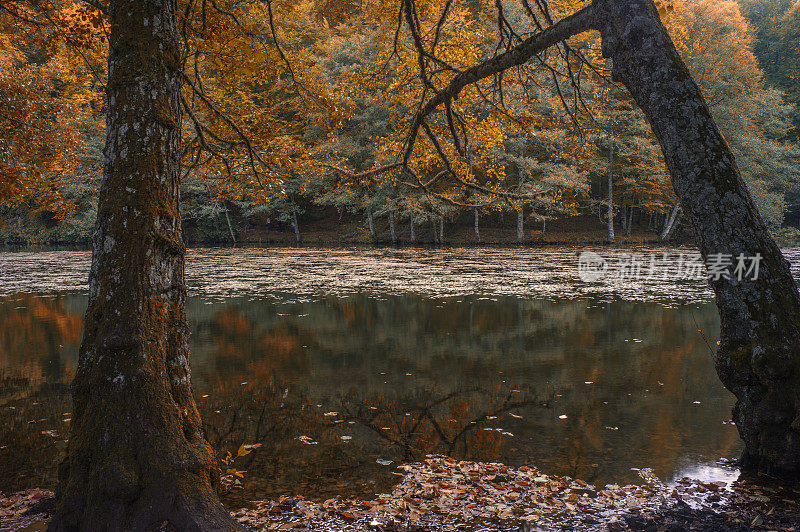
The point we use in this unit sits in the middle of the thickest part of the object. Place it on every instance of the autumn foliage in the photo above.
(289, 104)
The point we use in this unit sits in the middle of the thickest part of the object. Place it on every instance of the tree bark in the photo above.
(441, 230)
(477, 231)
(137, 457)
(758, 358)
(411, 221)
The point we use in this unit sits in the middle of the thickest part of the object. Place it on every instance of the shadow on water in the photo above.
(338, 367)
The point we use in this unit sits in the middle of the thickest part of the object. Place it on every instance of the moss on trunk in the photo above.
(137, 457)
(759, 355)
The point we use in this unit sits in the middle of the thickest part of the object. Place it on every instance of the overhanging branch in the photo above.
(572, 25)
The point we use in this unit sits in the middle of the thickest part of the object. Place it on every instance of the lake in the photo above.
(343, 363)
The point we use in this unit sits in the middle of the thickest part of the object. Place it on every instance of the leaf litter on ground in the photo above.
(444, 494)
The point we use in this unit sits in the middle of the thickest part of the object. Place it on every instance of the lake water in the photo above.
(343, 363)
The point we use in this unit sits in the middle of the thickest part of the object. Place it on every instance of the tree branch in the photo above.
(572, 25)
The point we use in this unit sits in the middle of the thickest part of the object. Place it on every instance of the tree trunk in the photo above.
(520, 212)
(371, 224)
(228, 220)
(441, 230)
(295, 227)
(758, 358)
(391, 228)
(669, 224)
(477, 231)
(630, 221)
(137, 457)
(624, 218)
(411, 221)
(610, 194)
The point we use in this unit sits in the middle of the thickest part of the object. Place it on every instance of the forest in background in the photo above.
(288, 120)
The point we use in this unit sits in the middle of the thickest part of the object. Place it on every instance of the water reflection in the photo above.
(338, 388)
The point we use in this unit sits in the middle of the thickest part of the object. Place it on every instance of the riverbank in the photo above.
(443, 494)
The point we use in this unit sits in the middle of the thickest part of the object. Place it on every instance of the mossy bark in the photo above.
(137, 458)
(758, 358)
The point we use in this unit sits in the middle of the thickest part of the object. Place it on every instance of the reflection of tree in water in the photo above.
(353, 450)
(39, 338)
(461, 424)
(350, 354)
(33, 431)
(35, 333)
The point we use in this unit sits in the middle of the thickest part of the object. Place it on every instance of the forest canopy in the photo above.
(293, 105)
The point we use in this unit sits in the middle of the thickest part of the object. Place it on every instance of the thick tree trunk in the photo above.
(758, 358)
(137, 457)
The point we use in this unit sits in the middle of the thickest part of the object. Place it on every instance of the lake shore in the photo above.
(444, 494)
(495, 230)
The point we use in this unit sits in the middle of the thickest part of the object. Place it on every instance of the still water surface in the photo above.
(342, 363)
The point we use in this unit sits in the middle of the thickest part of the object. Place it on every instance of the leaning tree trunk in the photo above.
(669, 224)
(137, 458)
(228, 220)
(758, 358)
